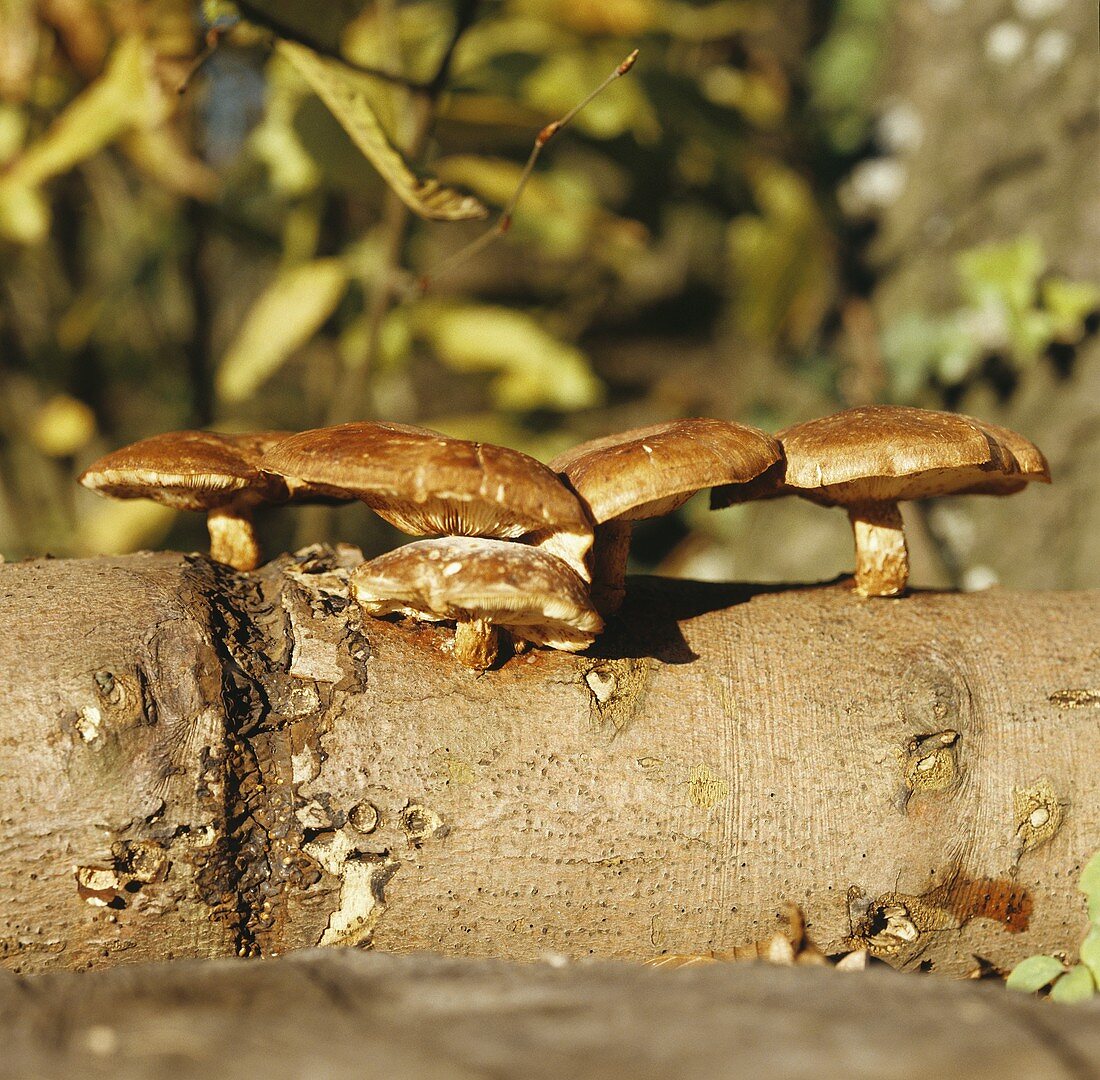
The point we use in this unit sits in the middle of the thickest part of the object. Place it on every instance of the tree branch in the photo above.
(206, 763)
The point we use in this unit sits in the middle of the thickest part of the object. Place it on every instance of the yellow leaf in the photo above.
(115, 527)
(288, 313)
(781, 259)
(342, 90)
(159, 152)
(274, 141)
(13, 129)
(118, 100)
(62, 426)
(535, 370)
(24, 214)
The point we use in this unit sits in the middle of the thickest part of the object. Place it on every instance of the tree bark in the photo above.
(1004, 147)
(200, 762)
(339, 1014)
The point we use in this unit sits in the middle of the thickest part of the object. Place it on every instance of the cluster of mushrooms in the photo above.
(539, 552)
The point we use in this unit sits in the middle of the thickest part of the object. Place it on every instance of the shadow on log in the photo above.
(202, 763)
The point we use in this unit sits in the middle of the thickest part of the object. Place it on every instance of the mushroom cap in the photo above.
(427, 483)
(887, 453)
(651, 471)
(527, 591)
(190, 470)
(1031, 463)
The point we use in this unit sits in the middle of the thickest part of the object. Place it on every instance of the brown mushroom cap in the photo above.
(885, 453)
(529, 592)
(653, 470)
(427, 483)
(190, 470)
(1031, 464)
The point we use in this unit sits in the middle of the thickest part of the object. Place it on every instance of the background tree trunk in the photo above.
(1007, 147)
(203, 763)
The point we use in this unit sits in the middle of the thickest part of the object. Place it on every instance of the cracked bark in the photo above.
(205, 763)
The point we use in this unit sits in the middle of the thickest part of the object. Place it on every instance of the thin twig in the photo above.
(256, 14)
(216, 34)
(214, 38)
(504, 222)
(347, 401)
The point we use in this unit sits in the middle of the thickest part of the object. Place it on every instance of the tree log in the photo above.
(340, 1014)
(200, 763)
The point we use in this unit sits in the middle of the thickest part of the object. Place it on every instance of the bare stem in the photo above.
(882, 558)
(504, 222)
(233, 539)
(476, 644)
(609, 554)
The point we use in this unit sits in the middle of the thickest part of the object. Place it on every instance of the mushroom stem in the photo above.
(233, 538)
(882, 559)
(476, 643)
(609, 554)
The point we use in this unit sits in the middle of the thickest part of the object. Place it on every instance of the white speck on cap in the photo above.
(1005, 42)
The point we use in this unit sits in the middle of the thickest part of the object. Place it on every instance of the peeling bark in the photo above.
(201, 762)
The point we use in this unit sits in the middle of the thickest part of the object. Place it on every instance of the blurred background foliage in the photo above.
(694, 243)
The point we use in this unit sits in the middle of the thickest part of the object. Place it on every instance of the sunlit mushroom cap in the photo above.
(651, 471)
(885, 453)
(190, 470)
(430, 484)
(527, 591)
(1031, 463)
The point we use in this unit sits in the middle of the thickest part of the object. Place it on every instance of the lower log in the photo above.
(344, 1015)
(201, 763)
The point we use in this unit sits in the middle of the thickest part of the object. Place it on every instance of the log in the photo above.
(342, 1014)
(202, 763)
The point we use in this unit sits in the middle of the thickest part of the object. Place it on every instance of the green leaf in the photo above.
(1089, 884)
(535, 369)
(1004, 273)
(1068, 304)
(1030, 333)
(344, 92)
(288, 313)
(1034, 973)
(1090, 952)
(1075, 986)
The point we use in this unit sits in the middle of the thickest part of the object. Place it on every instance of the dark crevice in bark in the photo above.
(245, 852)
(261, 858)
